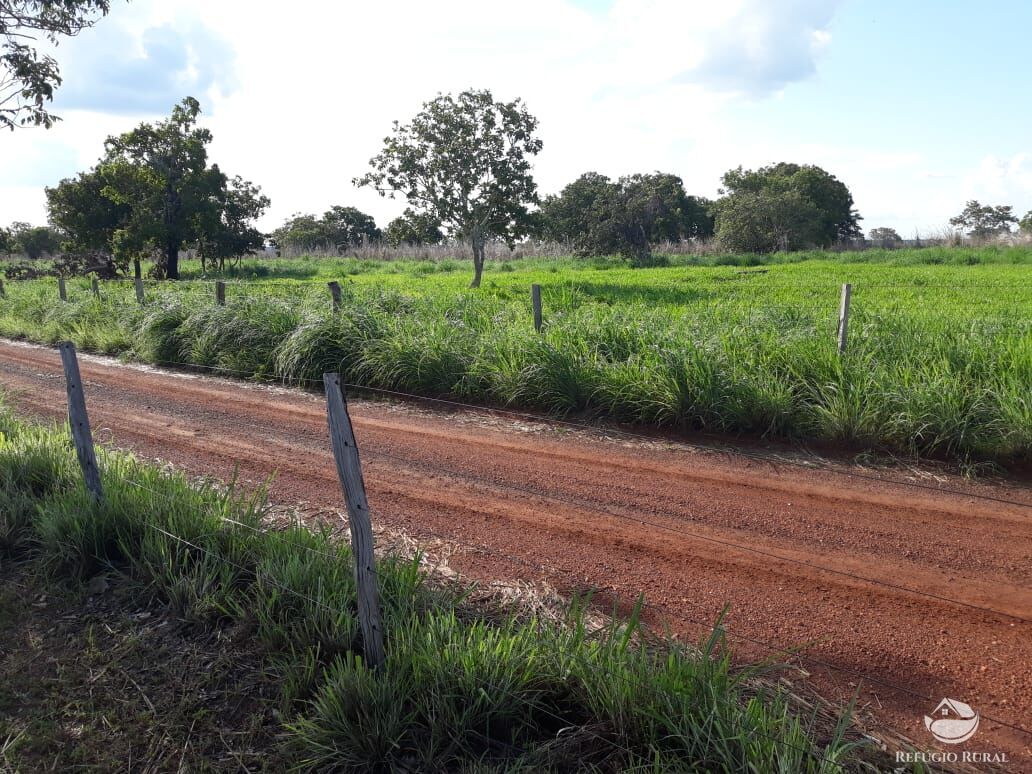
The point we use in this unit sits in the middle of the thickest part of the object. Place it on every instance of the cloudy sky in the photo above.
(916, 106)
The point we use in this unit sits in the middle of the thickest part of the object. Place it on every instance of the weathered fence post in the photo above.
(3, 293)
(535, 297)
(138, 281)
(220, 293)
(79, 420)
(843, 317)
(95, 286)
(349, 470)
(62, 292)
(335, 293)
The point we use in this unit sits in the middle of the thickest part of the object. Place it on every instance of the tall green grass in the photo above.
(939, 359)
(463, 689)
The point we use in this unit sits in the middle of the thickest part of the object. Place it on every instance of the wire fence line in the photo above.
(570, 578)
(335, 612)
(609, 513)
(741, 276)
(731, 453)
(799, 652)
(586, 505)
(669, 611)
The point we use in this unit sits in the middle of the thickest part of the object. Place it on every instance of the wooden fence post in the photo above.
(220, 293)
(335, 293)
(95, 286)
(843, 317)
(349, 470)
(79, 420)
(535, 297)
(138, 281)
(62, 292)
(3, 293)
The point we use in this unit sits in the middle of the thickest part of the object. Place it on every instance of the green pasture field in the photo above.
(939, 358)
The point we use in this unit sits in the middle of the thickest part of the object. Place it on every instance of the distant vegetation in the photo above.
(938, 361)
(464, 688)
(463, 165)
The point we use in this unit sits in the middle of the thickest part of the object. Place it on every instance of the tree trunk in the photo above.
(172, 260)
(137, 271)
(478, 258)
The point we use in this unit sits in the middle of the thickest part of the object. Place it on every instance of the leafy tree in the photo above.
(464, 162)
(666, 213)
(6, 242)
(224, 231)
(579, 209)
(28, 80)
(154, 193)
(597, 216)
(338, 229)
(80, 208)
(35, 241)
(350, 227)
(1025, 224)
(984, 220)
(412, 228)
(766, 220)
(301, 232)
(837, 219)
(884, 235)
(161, 172)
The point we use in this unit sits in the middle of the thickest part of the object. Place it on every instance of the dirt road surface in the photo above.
(927, 593)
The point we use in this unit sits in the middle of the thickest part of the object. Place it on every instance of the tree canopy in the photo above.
(885, 235)
(153, 193)
(413, 228)
(338, 229)
(826, 213)
(464, 162)
(985, 220)
(1025, 224)
(33, 241)
(766, 220)
(28, 79)
(597, 216)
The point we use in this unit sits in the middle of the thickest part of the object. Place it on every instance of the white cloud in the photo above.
(299, 100)
(756, 47)
(1002, 180)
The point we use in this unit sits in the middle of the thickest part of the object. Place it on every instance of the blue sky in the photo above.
(917, 105)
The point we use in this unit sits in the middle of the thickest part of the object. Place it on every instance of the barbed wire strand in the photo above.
(814, 752)
(569, 575)
(317, 385)
(585, 505)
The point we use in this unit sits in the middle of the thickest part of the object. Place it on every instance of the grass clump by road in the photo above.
(463, 688)
(939, 358)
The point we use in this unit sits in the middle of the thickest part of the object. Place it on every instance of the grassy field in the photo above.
(464, 687)
(939, 359)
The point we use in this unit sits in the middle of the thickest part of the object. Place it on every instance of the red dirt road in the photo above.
(803, 557)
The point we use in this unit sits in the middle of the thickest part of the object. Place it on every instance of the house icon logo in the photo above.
(952, 722)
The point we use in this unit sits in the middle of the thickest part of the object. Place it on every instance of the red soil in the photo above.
(812, 558)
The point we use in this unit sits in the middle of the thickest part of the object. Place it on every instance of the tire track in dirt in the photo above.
(956, 546)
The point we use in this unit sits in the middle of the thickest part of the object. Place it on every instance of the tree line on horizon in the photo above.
(463, 167)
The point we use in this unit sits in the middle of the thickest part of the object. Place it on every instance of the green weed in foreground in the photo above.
(939, 359)
(460, 691)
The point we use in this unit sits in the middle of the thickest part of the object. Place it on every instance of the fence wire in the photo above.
(571, 579)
